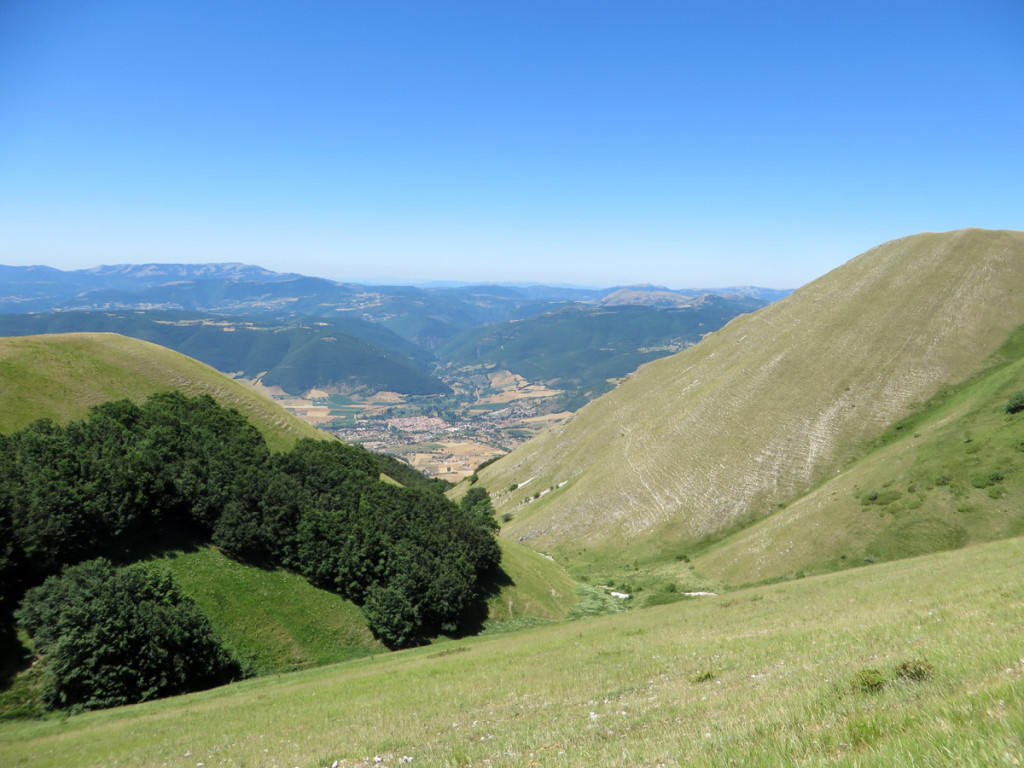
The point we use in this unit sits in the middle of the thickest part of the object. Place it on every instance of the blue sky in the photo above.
(687, 144)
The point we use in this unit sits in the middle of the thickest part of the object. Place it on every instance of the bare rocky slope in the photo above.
(763, 410)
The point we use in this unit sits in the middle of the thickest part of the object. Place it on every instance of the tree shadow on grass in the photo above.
(490, 585)
(14, 657)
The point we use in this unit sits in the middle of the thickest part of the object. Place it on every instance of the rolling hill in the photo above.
(294, 355)
(61, 376)
(759, 413)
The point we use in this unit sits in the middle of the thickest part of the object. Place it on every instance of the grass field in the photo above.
(918, 662)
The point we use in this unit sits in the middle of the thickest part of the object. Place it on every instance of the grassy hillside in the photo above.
(61, 376)
(272, 621)
(275, 621)
(535, 588)
(950, 474)
(915, 662)
(770, 406)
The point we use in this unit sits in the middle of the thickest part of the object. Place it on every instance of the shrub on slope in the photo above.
(114, 636)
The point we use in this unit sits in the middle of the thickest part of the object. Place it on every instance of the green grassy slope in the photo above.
(536, 588)
(915, 662)
(769, 406)
(949, 475)
(61, 376)
(275, 621)
(272, 621)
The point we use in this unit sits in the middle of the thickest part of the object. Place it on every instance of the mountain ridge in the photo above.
(694, 443)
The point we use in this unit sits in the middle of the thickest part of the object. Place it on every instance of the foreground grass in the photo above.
(802, 672)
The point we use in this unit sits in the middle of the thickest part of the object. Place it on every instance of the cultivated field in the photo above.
(918, 662)
(477, 425)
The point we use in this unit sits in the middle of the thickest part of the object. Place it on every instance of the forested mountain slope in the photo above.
(772, 404)
(582, 347)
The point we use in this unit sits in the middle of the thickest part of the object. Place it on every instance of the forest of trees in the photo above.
(132, 480)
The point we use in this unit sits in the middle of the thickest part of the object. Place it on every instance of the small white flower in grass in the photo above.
(594, 715)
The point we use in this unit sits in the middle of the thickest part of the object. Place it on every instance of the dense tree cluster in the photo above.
(120, 482)
(114, 636)
(134, 478)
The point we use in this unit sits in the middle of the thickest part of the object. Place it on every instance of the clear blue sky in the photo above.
(688, 144)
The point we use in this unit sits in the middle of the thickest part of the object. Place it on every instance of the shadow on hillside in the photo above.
(167, 544)
(14, 657)
(490, 585)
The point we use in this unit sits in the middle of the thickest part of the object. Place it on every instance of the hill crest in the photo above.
(61, 376)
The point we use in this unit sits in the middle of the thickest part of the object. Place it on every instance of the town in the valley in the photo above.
(445, 436)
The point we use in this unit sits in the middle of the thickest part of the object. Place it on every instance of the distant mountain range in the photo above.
(304, 332)
(240, 288)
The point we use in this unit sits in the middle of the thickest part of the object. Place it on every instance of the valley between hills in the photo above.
(446, 378)
(816, 513)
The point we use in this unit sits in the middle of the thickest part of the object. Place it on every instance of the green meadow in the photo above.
(271, 620)
(918, 662)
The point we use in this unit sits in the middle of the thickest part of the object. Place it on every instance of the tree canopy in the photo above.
(113, 636)
(134, 479)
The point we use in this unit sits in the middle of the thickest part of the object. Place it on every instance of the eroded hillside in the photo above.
(762, 410)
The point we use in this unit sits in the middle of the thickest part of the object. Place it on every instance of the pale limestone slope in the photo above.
(765, 408)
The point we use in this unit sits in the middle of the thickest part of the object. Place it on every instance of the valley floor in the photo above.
(442, 436)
